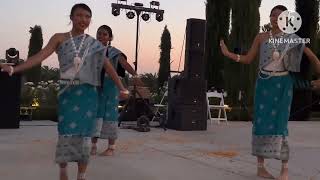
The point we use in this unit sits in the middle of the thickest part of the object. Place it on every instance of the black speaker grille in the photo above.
(10, 100)
(194, 65)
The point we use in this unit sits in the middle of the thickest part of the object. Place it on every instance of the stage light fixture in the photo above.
(12, 55)
(145, 16)
(155, 3)
(159, 17)
(12, 52)
(116, 11)
(130, 14)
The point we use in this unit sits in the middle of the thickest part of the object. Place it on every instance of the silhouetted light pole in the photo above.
(138, 9)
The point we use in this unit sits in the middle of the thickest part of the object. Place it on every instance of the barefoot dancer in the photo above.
(81, 59)
(273, 95)
(107, 124)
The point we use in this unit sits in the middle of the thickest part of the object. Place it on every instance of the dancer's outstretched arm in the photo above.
(128, 67)
(35, 59)
(114, 76)
(244, 59)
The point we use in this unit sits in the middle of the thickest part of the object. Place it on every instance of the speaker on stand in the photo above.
(187, 106)
(10, 90)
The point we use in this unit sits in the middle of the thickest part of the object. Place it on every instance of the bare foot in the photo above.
(81, 176)
(93, 150)
(108, 152)
(63, 176)
(262, 172)
(283, 175)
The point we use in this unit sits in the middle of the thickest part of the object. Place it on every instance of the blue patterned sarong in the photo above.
(78, 110)
(107, 119)
(108, 111)
(272, 110)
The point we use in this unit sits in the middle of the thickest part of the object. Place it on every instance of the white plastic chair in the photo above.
(221, 107)
(160, 105)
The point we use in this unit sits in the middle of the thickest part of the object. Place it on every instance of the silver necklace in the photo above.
(276, 53)
(77, 59)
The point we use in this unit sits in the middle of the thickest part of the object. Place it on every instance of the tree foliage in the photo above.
(35, 45)
(165, 47)
(217, 27)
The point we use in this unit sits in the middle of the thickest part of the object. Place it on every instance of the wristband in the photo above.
(238, 58)
(11, 71)
(125, 92)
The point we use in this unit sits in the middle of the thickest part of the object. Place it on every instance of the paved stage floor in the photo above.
(220, 153)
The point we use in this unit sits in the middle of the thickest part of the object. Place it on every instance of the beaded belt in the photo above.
(274, 73)
(69, 82)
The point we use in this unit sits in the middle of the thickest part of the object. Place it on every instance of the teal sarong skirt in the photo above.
(272, 107)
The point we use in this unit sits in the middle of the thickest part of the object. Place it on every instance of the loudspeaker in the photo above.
(10, 90)
(187, 91)
(187, 105)
(194, 66)
(187, 118)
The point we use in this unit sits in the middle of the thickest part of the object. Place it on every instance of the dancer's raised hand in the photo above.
(315, 84)
(224, 48)
(6, 68)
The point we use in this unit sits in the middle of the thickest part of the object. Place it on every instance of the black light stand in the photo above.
(138, 9)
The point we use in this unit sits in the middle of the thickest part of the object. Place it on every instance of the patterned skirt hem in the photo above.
(270, 146)
(108, 130)
(73, 149)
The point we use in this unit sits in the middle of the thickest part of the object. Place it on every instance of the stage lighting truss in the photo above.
(138, 9)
